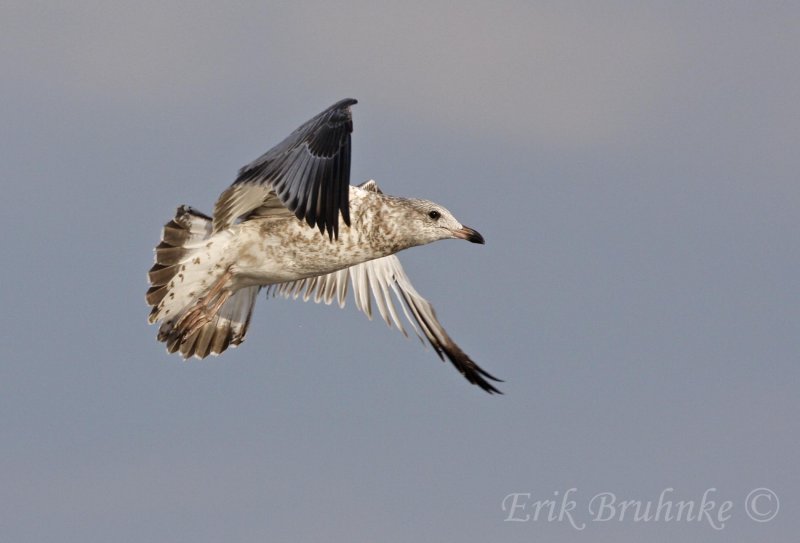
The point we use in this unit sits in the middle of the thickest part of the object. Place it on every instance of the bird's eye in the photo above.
(434, 215)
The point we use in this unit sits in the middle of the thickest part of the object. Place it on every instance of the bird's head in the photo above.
(433, 222)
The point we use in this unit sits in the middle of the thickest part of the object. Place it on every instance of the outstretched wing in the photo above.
(383, 277)
(309, 172)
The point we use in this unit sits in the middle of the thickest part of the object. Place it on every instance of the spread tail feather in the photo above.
(188, 289)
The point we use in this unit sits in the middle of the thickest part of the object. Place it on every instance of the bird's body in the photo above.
(276, 249)
(208, 271)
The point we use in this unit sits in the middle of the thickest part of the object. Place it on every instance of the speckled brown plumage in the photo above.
(208, 271)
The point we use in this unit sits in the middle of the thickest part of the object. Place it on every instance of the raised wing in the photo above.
(383, 277)
(308, 172)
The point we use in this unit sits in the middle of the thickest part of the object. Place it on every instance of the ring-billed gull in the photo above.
(278, 227)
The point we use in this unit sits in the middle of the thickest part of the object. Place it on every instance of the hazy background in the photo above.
(633, 169)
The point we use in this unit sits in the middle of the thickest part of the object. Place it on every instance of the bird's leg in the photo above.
(205, 308)
(202, 314)
(215, 289)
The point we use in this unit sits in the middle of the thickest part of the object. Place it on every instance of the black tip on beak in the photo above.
(470, 235)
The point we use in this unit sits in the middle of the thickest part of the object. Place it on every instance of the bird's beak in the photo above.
(469, 234)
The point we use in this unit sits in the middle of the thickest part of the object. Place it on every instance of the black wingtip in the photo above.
(485, 385)
(470, 370)
(346, 102)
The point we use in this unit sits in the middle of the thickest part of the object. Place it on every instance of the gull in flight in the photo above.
(292, 224)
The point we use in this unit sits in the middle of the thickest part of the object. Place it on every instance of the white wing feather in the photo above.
(379, 279)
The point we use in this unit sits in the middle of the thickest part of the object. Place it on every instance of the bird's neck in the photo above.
(381, 222)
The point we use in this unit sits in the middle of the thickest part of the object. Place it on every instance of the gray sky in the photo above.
(634, 172)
